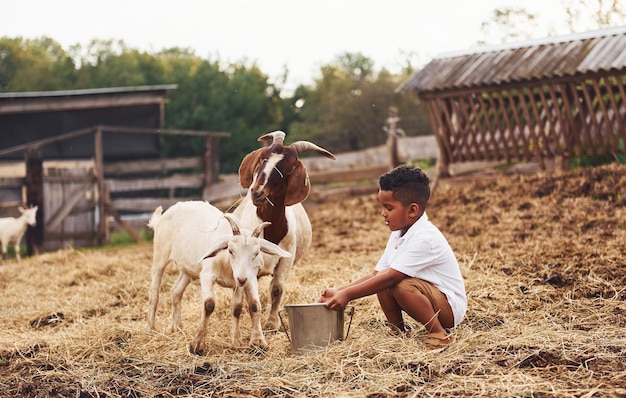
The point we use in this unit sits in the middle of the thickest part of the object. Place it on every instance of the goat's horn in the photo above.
(275, 137)
(259, 228)
(233, 223)
(302, 146)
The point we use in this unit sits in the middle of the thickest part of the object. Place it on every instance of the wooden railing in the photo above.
(132, 190)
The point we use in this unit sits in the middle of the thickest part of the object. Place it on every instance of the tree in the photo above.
(34, 65)
(511, 23)
(514, 23)
(237, 99)
(603, 12)
(107, 63)
(347, 107)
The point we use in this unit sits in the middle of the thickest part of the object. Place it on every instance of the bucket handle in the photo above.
(280, 316)
(350, 311)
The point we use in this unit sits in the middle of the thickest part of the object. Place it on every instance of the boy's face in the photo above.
(397, 216)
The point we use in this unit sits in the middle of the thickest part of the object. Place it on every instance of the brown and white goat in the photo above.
(277, 183)
(195, 236)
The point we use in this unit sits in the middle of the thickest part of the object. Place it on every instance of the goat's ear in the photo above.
(299, 185)
(246, 169)
(272, 248)
(216, 248)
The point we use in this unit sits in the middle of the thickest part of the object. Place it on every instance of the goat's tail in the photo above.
(156, 216)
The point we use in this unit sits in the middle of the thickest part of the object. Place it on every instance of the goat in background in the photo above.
(12, 229)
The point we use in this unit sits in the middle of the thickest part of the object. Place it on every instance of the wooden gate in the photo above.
(70, 206)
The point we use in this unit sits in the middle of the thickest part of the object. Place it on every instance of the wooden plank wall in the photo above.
(143, 185)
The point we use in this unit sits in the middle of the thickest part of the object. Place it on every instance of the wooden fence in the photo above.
(77, 199)
(80, 211)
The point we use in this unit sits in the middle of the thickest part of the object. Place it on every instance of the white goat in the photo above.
(195, 235)
(12, 229)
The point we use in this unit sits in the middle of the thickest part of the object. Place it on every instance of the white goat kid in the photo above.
(182, 236)
(245, 255)
(12, 229)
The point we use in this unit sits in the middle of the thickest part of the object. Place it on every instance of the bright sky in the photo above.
(301, 35)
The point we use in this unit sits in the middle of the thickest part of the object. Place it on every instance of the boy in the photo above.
(418, 272)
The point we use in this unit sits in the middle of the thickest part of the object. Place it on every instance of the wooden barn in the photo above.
(85, 156)
(28, 117)
(544, 100)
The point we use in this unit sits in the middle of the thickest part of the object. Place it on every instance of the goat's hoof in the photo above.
(259, 342)
(258, 350)
(196, 348)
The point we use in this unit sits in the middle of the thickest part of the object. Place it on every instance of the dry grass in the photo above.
(543, 259)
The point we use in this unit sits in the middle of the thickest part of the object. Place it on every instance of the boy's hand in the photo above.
(333, 298)
(327, 294)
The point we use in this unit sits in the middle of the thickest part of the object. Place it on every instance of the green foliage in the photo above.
(616, 155)
(123, 239)
(597, 160)
(34, 65)
(238, 100)
(424, 164)
(348, 106)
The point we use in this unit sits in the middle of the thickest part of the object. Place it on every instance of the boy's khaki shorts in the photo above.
(437, 299)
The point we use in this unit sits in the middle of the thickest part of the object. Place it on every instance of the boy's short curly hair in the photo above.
(409, 184)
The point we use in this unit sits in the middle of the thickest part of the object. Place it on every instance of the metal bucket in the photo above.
(314, 326)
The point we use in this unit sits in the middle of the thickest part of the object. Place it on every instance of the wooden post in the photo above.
(391, 127)
(211, 163)
(34, 197)
(438, 124)
(102, 227)
(443, 161)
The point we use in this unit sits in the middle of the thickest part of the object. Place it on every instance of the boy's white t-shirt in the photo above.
(424, 253)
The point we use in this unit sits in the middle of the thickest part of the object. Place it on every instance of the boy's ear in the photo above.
(414, 210)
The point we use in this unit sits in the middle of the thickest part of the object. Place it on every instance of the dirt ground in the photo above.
(543, 257)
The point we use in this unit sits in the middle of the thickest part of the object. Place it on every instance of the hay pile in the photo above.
(543, 259)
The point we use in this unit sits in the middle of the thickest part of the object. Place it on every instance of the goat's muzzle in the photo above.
(258, 197)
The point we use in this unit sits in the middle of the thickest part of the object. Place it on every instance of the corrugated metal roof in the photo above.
(89, 91)
(65, 100)
(553, 57)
